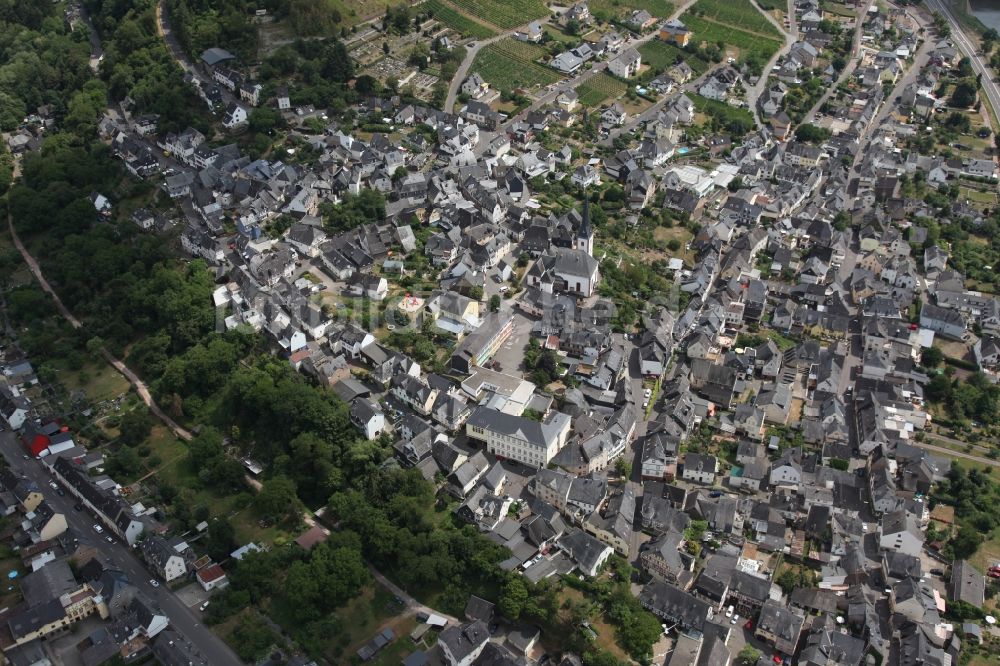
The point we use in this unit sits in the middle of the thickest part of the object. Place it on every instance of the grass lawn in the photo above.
(402, 648)
(679, 233)
(977, 196)
(951, 348)
(838, 9)
(598, 88)
(984, 660)
(662, 56)
(247, 525)
(11, 593)
(605, 632)
(559, 36)
(358, 11)
(964, 462)
(988, 553)
(98, 380)
(362, 618)
(176, 470)
(781, 341)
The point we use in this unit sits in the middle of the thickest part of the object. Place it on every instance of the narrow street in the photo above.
(852, 64)
(186, 620)
(178, 55)
(754, 93)
(96, 50)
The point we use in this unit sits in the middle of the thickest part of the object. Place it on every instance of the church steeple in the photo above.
(585, 235)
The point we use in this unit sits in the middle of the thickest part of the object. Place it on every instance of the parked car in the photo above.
(78, 507)
(203, 606)
(154, 582)
(98, 528)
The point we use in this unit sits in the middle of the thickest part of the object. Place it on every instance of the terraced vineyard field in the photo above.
(662, 56)
(504, 13)
(737, 13)
(598, 88)
(448, 16)
(748, 43)
(509, 64)
(610, 8)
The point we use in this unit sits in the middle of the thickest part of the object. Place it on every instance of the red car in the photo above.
(776, 659)
(749, 625)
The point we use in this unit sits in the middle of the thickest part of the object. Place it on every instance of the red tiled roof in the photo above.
(211, 573)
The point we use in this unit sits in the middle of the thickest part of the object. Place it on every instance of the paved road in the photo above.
(791, 36)
(177, 53)
(956, 442)
(140, 386)
(956, 454)
(412, 605)
(557, 88)
(597, 68)
(463, 70)
(968, 46)
(651, 112)
(848, 69)
(888, 104)
(182, 618)
(96, 50)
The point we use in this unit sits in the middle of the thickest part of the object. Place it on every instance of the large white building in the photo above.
(517, 438)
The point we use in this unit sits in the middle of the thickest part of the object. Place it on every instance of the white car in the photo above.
(154, 582)
(645, 405)
(736, 618)
(98, 528)
(204, 606)
(648, 392)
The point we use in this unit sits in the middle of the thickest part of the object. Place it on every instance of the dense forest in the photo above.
(43, 63)
(138, 67)
(230, 24)
(974, 494)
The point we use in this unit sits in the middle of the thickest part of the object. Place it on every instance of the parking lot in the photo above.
(510, 355)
